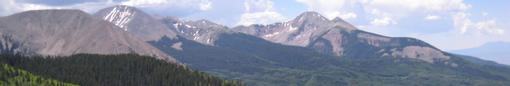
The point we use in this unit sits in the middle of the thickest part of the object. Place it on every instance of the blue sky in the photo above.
(447, 24)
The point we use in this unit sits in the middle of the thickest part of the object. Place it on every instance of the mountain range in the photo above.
(337, 37)
(309, 50)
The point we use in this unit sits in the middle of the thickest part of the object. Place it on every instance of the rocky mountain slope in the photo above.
(337, 37)
(135, 21)
(67, 32)
(202, 31)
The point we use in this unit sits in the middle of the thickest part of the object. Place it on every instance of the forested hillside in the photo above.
(261, 63)
(10, 76)
(113, 70)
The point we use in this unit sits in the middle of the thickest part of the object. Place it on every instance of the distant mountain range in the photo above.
(494, 51)
(309, 50)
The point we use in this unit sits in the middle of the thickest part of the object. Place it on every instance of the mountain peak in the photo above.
(338, 19)
(68, 32)
(343, 24)
(311, 15)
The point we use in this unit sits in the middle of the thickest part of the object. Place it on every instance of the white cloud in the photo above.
(258, 5)
(384, 12)
(11, 6)
(387, 12)
(461, 22)
(397, 9)
(324, 5)
(432, 17)
(385, 21)
(467, 33)
(485, 14)
(266, 17)
(202, 5)
(350, 15)
(260, 12)
(206, 5)
(483, 27)
(489, 26)
(413, 5)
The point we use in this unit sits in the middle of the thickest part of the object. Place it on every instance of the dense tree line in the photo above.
(10, 76)
(114, 70)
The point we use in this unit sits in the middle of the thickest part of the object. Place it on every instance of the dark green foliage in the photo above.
(10, 76)
(271, 64)
(115, 70)
(209, 57)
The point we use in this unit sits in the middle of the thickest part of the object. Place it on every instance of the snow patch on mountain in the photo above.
(292, 28)
(272, 34)
(176, 25)
(120, 16)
